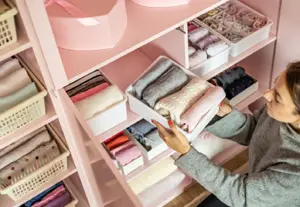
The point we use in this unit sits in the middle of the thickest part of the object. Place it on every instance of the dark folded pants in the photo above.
(212, 201)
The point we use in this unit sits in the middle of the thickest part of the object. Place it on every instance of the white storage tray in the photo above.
(138, 107)
(133, 165)
(247, 42)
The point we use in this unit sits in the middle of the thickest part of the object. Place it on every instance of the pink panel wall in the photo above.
(288, 40)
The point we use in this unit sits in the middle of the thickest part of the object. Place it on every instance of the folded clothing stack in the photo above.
(232, 21)
(233, 81)
(146, 134)
(55, 196)
(168, 90)
(92, 94)
(202, 44)
(26, 155)
(122, 149)
(16, 86)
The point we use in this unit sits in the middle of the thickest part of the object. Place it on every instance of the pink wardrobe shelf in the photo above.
(144, 25)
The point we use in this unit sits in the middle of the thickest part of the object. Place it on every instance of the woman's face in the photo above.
(280, 105)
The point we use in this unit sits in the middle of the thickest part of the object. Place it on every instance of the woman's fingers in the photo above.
(165, 134)
(174, 129)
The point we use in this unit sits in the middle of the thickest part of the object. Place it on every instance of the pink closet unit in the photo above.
(141, 34)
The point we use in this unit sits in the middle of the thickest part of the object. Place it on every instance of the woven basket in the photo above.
(8, 34)
(42, 175)
(29, 110)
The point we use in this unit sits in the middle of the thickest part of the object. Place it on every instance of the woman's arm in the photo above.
(235, 126)
(273, 186)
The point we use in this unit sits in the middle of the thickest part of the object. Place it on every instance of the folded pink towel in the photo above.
(122, 147)
(211, 98)
(90, 92)
(192, 27)
(50, 196)
(126, 156)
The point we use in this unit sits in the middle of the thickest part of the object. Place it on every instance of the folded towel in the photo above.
(152, 175)
(211, 98)
(153, 139)
(29, 163)
(91, 83)
(89, 92)
(143, 127)
(157, 70)
(216, 48)
(122, 147)
(18, 97)
(16, 144)
(42, 194)
(208, 40)
(14, 82)
(24, 149)
(198, 57)
(192, 27)
(51, 196)
(191, 50)
(127, 155)
(60, 201)
(232, 10)
(113, 137)
(175, 105)
(230, 76)
(197, 34)
(173, 80)
(117, 142)
(99, 102)
(8, 66)
(83, 80)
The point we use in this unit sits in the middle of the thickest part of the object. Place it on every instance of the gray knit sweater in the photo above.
(274, 163)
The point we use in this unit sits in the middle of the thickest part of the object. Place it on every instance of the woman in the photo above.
(272, 135)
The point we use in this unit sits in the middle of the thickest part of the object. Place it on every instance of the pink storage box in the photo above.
(87, 25)
(161, 3)
(138, 107)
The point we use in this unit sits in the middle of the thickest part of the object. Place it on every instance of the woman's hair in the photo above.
(293, 83)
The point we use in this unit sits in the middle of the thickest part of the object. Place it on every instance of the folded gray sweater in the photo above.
(274, 163)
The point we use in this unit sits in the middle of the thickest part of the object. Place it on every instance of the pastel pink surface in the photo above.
(110, 15)
(126, 156)
(90, 92)
(119, 149)
(50, 196)
(210, 99)
(161, 3)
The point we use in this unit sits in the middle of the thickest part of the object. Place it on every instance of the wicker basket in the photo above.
(29, 110)
(42, 175)
(8, 34)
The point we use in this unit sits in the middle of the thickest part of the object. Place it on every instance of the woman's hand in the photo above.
(224, 109)
(173, 138)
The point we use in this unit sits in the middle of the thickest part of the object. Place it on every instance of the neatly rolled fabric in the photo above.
(225, 5)
(24, 149)
(152, 175)
(232, 37)
(211, 98)
(198, 57)
(229, 21)
(29, 163)
(143, 127)
(236, 28)
(14, 82)
(249, 19)
(192, 27)
(232, 10)
(176, 104)
(18, 97)
(191, 50)
(208, 40)
(117, 142)
(198, 34)
(153, 139)
(213, 12)
(156, 71)
(83, 80)
(122, 147)
(16, 144)
(127, 155)
(173, 80)
(216, 48)
(89, 92)
(98, 102)
(246, 31)
(8, 66)
(241, 13)
(259, 23)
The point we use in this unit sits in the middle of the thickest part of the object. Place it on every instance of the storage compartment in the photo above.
(96, 98)
(237, 89)
(145, 111)
(237, 24)
(92, 24)
(212, 62)
(29, 110)
(33, 180)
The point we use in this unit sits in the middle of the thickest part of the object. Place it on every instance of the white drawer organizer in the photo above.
(246, 42)
(42, 175)
(149, 114)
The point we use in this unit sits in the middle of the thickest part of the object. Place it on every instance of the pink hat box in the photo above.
(161, 3)
(88, 24)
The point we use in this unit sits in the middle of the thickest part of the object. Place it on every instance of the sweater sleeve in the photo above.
(235, 126)
(258, 189)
